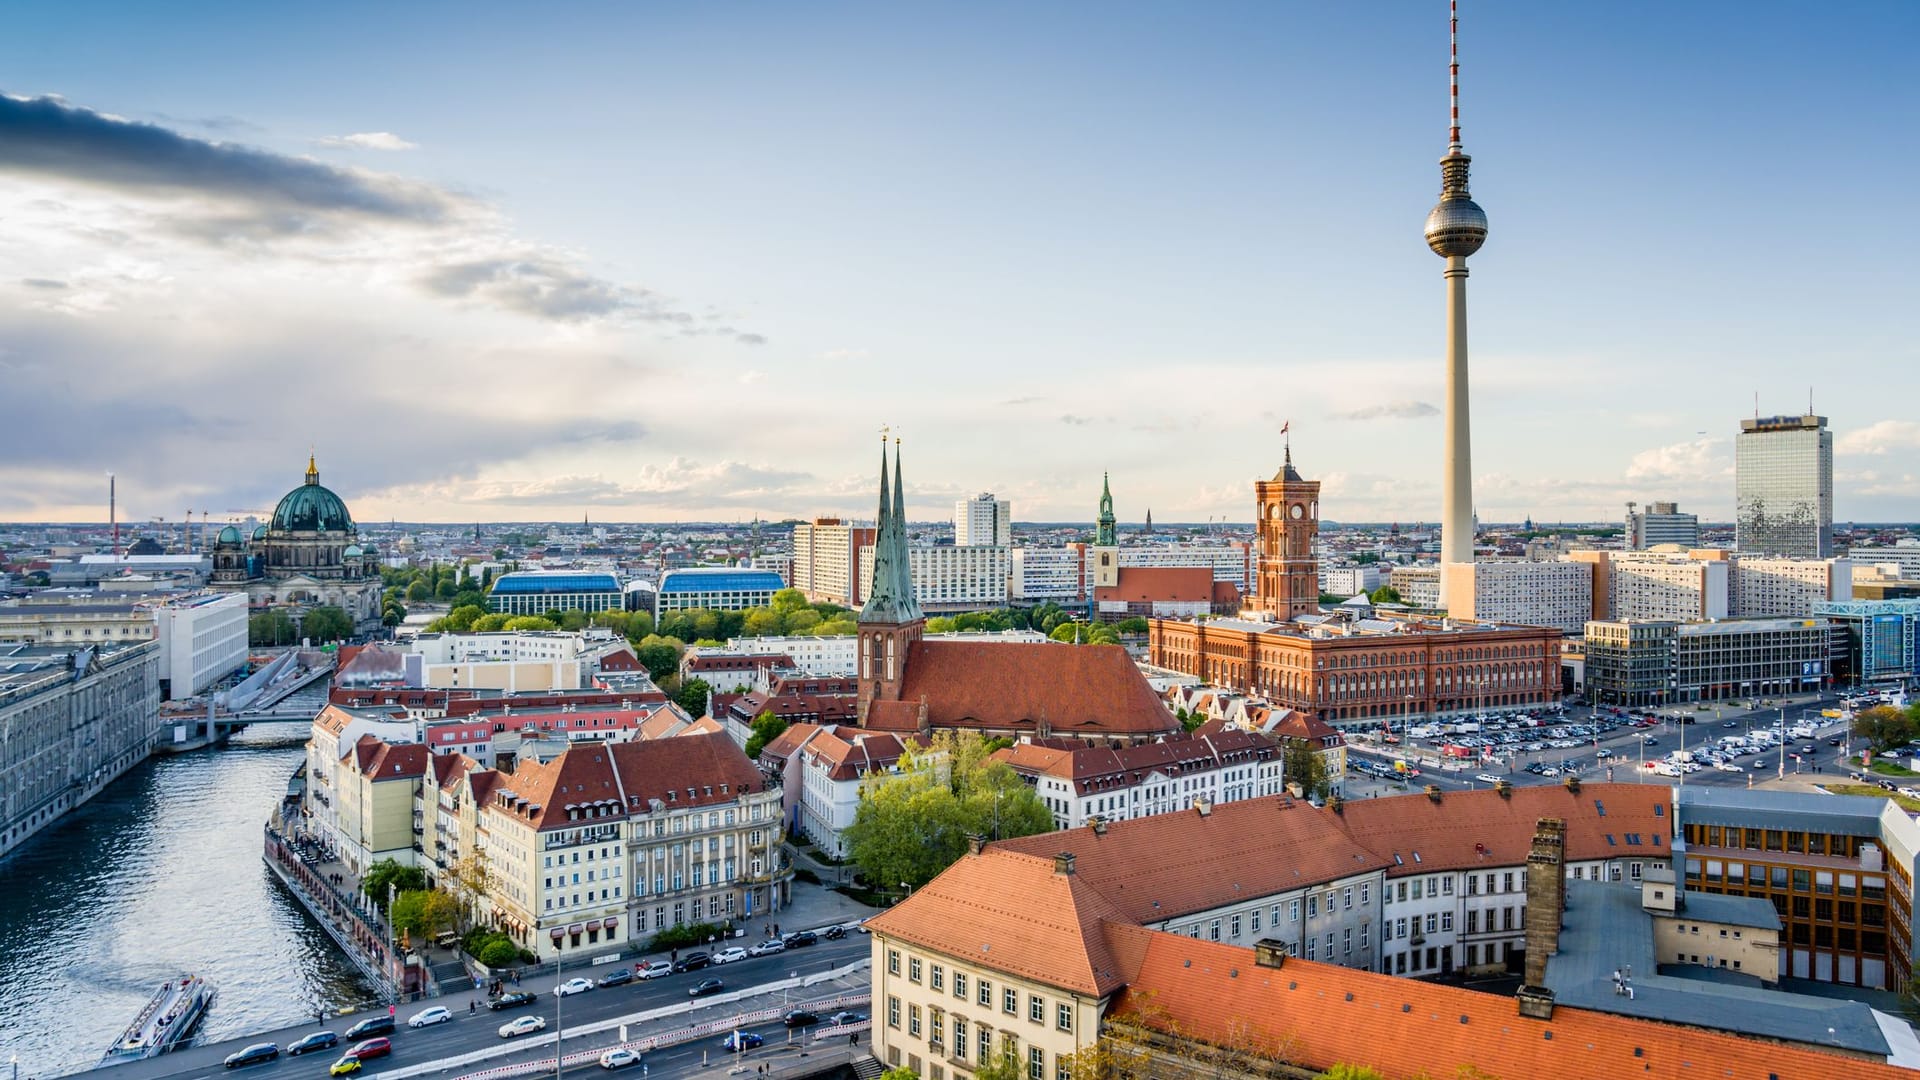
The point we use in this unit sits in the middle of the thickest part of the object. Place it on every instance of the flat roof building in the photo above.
(536, 592)
(716, 588)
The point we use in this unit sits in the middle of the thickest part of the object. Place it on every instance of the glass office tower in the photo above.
(1783, 481)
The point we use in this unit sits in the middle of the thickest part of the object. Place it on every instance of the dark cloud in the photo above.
(42, 283)
(544, 288)
(48, 137)
(750, 339)
(1394, 410)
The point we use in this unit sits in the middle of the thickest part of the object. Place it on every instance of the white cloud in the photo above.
(748, 378)
(1882, 437)
(1693, 460)
(367, 140)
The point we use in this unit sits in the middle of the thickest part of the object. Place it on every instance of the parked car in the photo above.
(617, 977)
(346, 1066)
(800, 939)
(619, 1058)
(512, 1001)
(573, 986)
(523, 1025)
(742, 1040)
(800, 1018)
(373, 1025)
(654, 969)
(705, 987)
(768, 948)
(1489, 778)
(319, 1040)
(371, 1048)
(729, 955)
(834, 933)
(693, 961)
(247, 1055)
(438, 1014)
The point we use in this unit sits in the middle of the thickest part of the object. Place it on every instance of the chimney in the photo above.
(1268, 953)
(1505, 788)
(1546, 900)
(1336, 804)
(1573, 785)
(1099, 825)
(975, 842)
(1433, 792)
(1202, 807)
(1063, 863)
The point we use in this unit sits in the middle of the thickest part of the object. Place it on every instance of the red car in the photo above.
(371, 1048)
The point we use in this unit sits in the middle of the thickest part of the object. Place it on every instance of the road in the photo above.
(1710, 726)
(479, 1030)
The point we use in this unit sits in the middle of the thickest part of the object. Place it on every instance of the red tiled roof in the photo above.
(1164, 866)
(393, 761)
(1318, 1015)
(1145, 584)
(1074, 689)
(1086, 766)
(784, 744)
(1015, 913)
(1451, 833)
(849, 753)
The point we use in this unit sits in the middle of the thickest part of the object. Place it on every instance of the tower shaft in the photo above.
(1456, 500)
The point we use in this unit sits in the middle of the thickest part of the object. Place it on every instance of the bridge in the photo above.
(291, 689)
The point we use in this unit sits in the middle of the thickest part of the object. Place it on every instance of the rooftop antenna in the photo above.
(1453, 74)
(113, 515)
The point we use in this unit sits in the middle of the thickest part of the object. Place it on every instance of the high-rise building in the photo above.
(1783, 480)
(826, 560)
(1661, 523)
(1556, 594)
(983, 521)
(1288, 509)
(1456, 228)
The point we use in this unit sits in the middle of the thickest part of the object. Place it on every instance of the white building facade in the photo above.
(952, 578)
(983, 521)
(1519, 592)
(203, 638)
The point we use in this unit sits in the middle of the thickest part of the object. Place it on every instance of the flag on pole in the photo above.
(1285, 426)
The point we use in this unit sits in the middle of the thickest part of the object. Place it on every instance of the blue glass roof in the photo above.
(555, 581)
(720, 580)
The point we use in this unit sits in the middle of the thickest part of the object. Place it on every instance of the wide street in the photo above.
(478, 1030)
(1627, 751)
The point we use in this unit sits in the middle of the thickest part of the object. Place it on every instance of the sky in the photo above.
(683, 261)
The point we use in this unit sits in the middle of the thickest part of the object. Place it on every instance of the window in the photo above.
(1346, 942)
(893, 961)
(1313, 907)
(960, 1037)
(1473, 885)
(1036, 1009)
(1310, 948)
(1256, 920)
(1036, 1063)
(986, 996)
(937, 978)
(1293, 911)
(960, 985)
(1366, 895)
(1446, 886)
(1009, 1001)
(1063, 1016)
(1506, 882)
(1363, 935)
(1234, 929)
(1346, 897)
(1446, 922)
(1213, 931)
(893, 1011)
(1433, 922)
(913, 969)
(913, 1020)
(1473, 921)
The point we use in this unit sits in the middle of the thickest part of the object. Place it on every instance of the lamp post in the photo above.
(559, 1026)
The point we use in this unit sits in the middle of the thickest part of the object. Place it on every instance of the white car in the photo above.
(573, 986)
(1488, 778)
(729, 955)
(525, 1025)
(768, 948)
(1727, 766)
(436, 1015)
(654, 969)
(619, 1058)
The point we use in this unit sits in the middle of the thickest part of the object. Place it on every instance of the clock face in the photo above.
(1296, 511)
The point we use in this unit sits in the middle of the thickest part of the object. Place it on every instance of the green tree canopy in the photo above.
(1300, 764)
(269, 628)
(692, 696)
(913, 824)
(766, 728)
(1385, 594)
(1885, 727)
(423, 913)
(659, 655)
(490, 622)
(326, 623)
(387, 873)
(530, 622)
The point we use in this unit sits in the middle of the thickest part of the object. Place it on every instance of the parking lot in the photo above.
(1730, 743)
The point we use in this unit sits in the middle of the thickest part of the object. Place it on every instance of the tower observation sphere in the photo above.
(1457, 226)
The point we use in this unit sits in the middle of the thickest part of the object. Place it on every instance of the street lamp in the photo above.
(559, 1026)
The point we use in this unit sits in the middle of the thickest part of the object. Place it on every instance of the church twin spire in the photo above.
(890, 599)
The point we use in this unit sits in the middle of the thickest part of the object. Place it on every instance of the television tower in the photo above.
(1455, 229)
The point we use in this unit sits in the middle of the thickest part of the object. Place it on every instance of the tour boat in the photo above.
(166, 1021)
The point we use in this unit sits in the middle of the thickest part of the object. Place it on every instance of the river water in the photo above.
(158, 876)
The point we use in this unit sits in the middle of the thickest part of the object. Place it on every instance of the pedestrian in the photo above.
(853, 1038)
(472, 1006)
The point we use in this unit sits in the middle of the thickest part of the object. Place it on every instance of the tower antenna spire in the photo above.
(1453, 72)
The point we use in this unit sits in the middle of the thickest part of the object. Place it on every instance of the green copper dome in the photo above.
(311, 508)
(228, 535)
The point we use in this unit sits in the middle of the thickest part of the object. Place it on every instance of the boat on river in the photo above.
(166, 1021)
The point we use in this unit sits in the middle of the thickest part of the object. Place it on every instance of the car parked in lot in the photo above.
(705, 987)
(438, 1014)
(512, 1000)
(247, 1055)
(693, 961)
(573, 986)
(617, 977)
(619, 1058)
(738, 1041)
(523, 1025)
(373, 1025)
(800, 1018)
(654, 969)
(768, 948)
(729, 955)
(319, 1040)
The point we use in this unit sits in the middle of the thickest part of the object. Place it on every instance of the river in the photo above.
(158, 876)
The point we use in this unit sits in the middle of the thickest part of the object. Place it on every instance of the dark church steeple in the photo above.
(891, 620)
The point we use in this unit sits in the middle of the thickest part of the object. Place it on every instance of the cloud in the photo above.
(842, 354)
(545, 288)
(748, 378)
(1879, 438)
(1031, 399)
(367, 140)
(1076, 421)
(47, 137)
(1393, 410)
(42, 283)
(1685, 461)
(750, 339)
(678, 482)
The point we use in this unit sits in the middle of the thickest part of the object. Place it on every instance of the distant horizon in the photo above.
(127, 529)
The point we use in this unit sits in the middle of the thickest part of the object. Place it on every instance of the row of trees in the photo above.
(912, 824)
(319, 624)
(1885, 727)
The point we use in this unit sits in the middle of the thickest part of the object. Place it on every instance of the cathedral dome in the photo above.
(353, 551)
(259, 532)
(311, 508)
(228, 535)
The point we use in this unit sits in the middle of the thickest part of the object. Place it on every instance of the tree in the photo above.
(766, 728)
(387, 874)
(692, 696)
(912, 824)
(788, 601)
(763, 622)
(419, 591)
(529, 622)
(1135, 624)
(470, 879)
(659, 655)
(1885, 727)
(462, 618)
(1385, 594)
(424, 913)
(1302, 765)
(1189, 721)
(326, 623)
(498, 953)
(940, 624)
(490, 622)
(270, 628)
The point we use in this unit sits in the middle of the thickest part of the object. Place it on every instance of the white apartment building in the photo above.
(1081, 783)
(203, 638)
(510, 660)
(813, 655)
(1042, 574)
(983, 521)
(1787, 587)
(1418, 586)
(1234, 562)
(826, 554)
(1905, 556)
(951, 578)
(1660, 523)
(1556, 594)
(1349, 580)
(1667, 584)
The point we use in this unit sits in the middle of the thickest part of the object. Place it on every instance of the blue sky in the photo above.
(660, 261)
